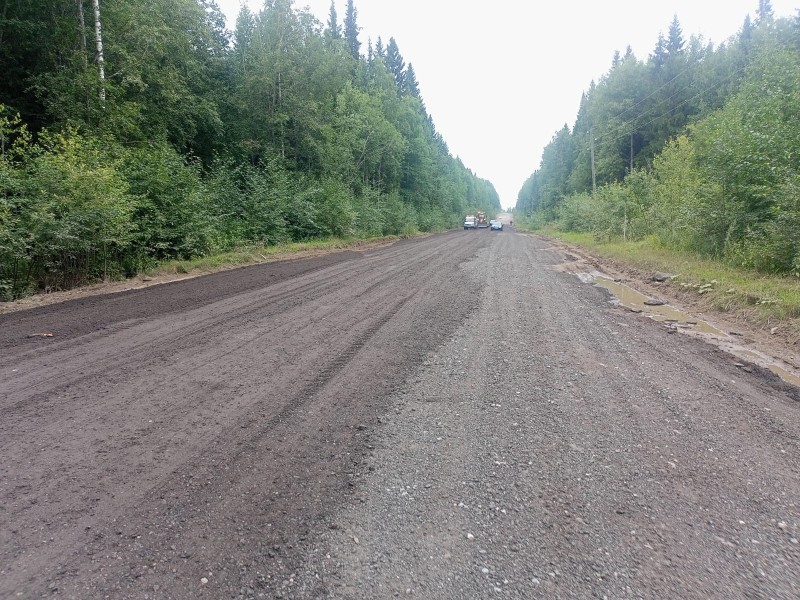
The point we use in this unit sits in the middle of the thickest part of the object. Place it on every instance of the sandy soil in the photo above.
(449, 417)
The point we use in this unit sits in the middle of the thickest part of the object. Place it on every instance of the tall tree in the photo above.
(351, 30)
(243, 38)
(659, 55)
(396, 64)
(100, 58)
(764, 13)
(410, 82)
(675, 37)
(746, 34)
(334, 31)
(629, 53)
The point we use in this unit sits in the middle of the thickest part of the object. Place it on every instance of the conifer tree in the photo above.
(380, 51)
(351, 30)
(659, 55)
(243, 36)
(675, 37)
(764, 13)
(333, 31)
(629, 53)
(410, 82)
(395, 63)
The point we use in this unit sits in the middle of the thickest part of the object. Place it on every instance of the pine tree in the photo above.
(243, 37)
(659, 55)
(746, 35)
(747, 29)
(675, 38)
(629, 53)
(410, 82)
(380, 51)
(333, 31)
(395, 63)
(616, 59)
(764, 13)
(351, 30)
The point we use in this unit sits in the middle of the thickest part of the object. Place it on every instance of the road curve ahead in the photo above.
(447, 417)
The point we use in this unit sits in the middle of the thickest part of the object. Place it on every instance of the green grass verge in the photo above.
(764, 300)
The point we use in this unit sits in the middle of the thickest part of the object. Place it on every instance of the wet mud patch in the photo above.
(678, 320)
(590, 270)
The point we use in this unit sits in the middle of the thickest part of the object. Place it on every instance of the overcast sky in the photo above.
(499, 77)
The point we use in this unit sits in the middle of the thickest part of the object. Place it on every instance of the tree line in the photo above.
(137, 131)
(696, 148)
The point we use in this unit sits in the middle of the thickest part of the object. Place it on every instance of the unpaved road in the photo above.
(444, 418)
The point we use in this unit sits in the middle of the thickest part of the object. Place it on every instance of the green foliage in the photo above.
(205, 144)
(337, 211)
(66, 214)
(773, 245)
(172, 215)
(713, 172)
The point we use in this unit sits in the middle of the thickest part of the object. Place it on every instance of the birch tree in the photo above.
(98, 34)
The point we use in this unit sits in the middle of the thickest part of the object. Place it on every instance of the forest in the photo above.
(138, 131)
(696, 148)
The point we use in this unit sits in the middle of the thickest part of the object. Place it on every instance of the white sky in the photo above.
(500, 77)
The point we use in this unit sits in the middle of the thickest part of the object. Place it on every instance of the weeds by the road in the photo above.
(768, 301)
(259, 254)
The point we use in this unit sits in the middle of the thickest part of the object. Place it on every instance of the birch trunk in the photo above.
(101, 65)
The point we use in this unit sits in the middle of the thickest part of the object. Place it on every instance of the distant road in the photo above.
(447, 417)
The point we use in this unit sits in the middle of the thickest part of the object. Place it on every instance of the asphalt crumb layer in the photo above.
(443, 418)
(558, 447)
(183, 452)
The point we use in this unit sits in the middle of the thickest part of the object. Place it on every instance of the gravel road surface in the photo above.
(449, 417)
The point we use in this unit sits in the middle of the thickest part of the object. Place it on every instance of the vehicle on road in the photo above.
(496, 225)
(481, 218)
(470, 222)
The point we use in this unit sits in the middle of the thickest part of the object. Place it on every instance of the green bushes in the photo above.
(729, 189)
(67, 213)
(197, 141)
(726, 185)
(172, 208)
(75, 209)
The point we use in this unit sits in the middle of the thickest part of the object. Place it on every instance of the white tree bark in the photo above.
(101, 65)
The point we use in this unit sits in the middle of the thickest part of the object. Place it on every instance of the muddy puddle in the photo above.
(633, 300)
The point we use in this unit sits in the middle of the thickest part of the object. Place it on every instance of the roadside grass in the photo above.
(260, 254)
(767, 301)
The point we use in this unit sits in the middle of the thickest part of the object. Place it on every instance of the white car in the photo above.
(496, 225)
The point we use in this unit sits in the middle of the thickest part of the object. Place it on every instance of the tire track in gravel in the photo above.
(261, 303)
(173, 447)
(558, 447)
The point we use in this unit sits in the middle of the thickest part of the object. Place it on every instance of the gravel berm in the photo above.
(446, 418)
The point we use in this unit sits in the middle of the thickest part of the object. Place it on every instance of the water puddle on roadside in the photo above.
(762, 359)
(636, 301)
(633, 300)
